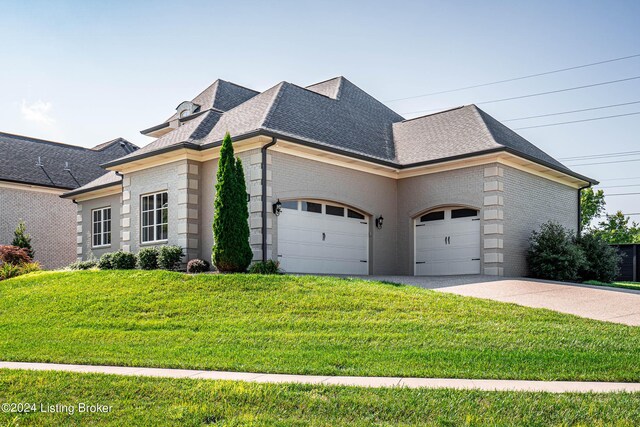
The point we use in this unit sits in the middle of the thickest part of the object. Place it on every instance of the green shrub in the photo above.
(602, 262)
(553, 253)
(83, 265)
(7, 271)
(123, 261)
(29, 267)
(14, 255)
(148, 258)
(105, 262)
(266, 267)
(197, 266)
(169, 257)
(22, 240)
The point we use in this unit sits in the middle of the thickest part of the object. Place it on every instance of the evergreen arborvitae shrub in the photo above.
(148, 258)
(22, 240)
(553, 253)
(602, 261)
(231, 251)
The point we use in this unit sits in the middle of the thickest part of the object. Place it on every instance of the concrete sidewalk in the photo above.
(462, 384)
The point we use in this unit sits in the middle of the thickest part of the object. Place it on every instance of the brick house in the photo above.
(338, 183)
(33, 175)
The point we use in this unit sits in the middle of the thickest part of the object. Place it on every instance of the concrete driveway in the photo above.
(594, 302)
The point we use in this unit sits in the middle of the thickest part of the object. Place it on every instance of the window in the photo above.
(354, 214)
(184, 113)
(312, 207)
(335, 210)
(290, 204)
(101, 227)
(155, 217)
(463, 213)
(432, 216)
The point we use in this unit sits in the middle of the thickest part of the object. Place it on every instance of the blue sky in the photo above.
(86, 72)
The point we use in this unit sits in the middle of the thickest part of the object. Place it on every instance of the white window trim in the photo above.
(142, 227)
(107, 245)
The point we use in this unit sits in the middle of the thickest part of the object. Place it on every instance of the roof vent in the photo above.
(39, 162)
(66, 167)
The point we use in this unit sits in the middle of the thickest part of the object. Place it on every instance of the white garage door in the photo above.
(318, 237)
(447, 241)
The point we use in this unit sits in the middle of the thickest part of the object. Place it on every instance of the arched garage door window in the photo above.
(447, 242)
(322, 237)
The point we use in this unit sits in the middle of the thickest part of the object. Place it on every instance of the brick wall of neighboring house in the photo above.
(50, 220)
(295, 177)
(463, 187)
(85, 225)
(530, 201)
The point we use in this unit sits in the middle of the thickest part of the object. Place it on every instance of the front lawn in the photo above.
(301, 325)
(626, 285)
(158, 402)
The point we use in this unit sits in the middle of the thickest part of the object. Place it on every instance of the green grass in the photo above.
(158, 402)
(300, 325)
(626, 285)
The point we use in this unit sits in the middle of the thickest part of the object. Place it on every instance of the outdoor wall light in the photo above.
(379, 222)
(277, 207)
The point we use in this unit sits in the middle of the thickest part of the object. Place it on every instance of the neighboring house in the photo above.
(33, 175)
(358, 189)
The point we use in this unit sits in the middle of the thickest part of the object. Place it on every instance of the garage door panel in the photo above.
(447, 246)
(302, 248)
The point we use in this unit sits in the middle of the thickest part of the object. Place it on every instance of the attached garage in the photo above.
(447, 242)
(322, 237)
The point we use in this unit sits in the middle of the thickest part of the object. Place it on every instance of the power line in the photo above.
(621, 179)
(622, 194)
(629, 214)
(578, 121)
(572, 111)
(514, 78)
(493, 101)
(616, 186)
(596, 156)
(606, 163)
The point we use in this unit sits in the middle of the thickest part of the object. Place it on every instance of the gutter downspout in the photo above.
(264, 197)
(580, 208)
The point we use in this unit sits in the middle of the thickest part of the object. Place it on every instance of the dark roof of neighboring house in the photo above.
(39, 162)
(336, 115)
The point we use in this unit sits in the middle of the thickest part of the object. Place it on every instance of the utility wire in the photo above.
(622, 194)
(572, 111)
(514, 78)
(596, 156)
(578, 121)
(629, 214)
(622, 179)
(616, 186)
(606, 163)
(493, 101)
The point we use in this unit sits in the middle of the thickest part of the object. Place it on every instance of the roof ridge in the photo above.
(436, 113)
(243, 87)
(106, 144)
(46, 141)
(269, 108)
(476, 111)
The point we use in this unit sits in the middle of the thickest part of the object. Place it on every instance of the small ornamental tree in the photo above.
(553, 253)
(231, 250)
(22, 240)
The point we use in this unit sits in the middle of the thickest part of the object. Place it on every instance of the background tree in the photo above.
(591, 206)
(230, 221)
(22, 240)
(616, 229)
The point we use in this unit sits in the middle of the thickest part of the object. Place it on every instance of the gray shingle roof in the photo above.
(221, 95)
(459, 131)
(107, 180)
(337, 115)
(19, 157)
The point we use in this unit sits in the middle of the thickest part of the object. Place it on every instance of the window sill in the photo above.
(155, 242)
(101, 246)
